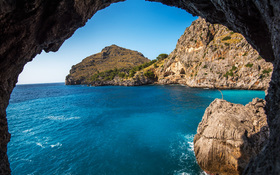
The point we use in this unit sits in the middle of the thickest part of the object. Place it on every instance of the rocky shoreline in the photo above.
(120, 82)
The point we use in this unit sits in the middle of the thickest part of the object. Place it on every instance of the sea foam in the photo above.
(56, 145)
(40, 144)
(62, 118)
(27, 130)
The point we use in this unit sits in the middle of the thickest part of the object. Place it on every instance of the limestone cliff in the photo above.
(229, 135)
(212, 56)
(101, 68)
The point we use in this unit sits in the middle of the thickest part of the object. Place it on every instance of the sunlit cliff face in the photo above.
(28, 27)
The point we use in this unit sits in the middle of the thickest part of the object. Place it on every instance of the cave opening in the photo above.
(150, 32)
(257, 22)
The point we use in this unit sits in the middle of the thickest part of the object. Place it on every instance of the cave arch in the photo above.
(28, 27)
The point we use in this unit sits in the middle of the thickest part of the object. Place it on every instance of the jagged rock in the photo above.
(212, 56)
(229, 135)
(28, 27)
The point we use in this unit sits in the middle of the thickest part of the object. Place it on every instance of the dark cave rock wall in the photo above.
(28, 27)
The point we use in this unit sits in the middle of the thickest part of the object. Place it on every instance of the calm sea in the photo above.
(146, 130)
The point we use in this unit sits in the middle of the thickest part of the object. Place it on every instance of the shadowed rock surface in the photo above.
(229, 135)
(28, 27)
(212, 56)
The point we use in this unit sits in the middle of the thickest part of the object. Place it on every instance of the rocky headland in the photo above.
(212, 56)
(109, 67)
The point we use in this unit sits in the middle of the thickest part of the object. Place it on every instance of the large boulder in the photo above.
(229, 135)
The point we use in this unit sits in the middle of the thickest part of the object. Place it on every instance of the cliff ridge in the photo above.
(212, 56)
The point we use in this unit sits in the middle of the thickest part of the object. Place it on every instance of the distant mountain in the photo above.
(212, 56)
(103, 67)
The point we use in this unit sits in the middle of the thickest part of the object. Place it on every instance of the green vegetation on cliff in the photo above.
(133, 71)
(115, 66)
(106, 65)
(162, 56)
(123, 73)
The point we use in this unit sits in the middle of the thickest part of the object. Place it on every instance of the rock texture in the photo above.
(212, 56)
(28, 27)
(110, 58)
(229, 135)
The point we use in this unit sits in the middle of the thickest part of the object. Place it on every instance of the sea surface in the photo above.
(110, 130)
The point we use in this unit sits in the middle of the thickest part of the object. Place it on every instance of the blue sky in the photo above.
(148, 27)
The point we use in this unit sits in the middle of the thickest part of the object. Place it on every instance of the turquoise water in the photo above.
(58, 129)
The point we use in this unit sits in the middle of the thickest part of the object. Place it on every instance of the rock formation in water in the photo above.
(229, 135)
(212, 56)
(28, 27)
(106, 68)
